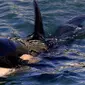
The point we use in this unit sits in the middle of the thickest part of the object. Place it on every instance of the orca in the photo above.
(12, 48)
(17, 52)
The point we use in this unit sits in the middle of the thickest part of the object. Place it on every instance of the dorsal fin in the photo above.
(38, 27)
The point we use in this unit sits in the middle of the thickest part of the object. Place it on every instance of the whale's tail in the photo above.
(38, 33)
(78, 21)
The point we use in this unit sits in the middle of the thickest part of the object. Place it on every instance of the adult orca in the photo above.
(12, 48)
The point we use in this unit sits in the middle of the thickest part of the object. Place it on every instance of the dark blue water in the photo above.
(61, 66)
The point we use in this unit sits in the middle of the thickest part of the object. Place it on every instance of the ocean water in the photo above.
(61, 66)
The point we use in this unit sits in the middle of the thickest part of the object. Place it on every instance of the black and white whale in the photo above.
(12, 48)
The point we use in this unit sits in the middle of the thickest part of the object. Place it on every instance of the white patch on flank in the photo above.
(6, 71)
